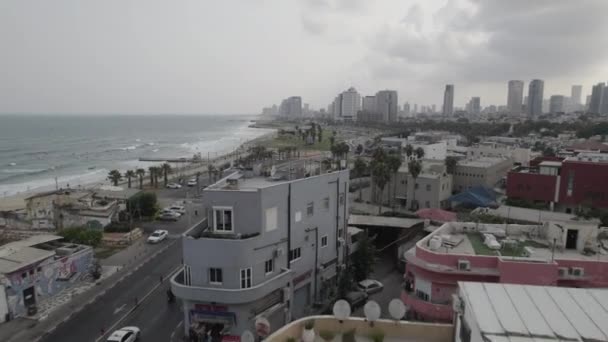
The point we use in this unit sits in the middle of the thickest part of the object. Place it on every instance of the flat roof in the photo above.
(18, 254)
(509, 312)
(481, 162)
(382, 221)
(550, 163)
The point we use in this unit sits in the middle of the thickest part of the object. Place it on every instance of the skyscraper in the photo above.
(406, 109)
(448, 100)
(575, 95)
(386, 105)
(369, 104)
(347, 104)
(597, 96)
(557, 104)
(514, 97)
(291, 107)
(475, 105)
(535, 98)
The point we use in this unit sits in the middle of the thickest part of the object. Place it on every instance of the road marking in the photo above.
(175, 330)
(130, 311)
(119, 309)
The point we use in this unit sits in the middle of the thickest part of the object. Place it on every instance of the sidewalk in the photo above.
(131, 258)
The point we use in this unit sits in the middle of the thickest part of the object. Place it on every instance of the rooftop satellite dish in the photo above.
(396, 308)
(247, 336)
(341, 309)
(372, 311)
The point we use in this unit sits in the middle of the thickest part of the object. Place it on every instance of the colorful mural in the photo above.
(48, 277)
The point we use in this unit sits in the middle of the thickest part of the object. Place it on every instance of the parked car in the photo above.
(169, 216)
(356, 298)
(158, 236)
(173, 186)
(370, 286)
(169, 211)
(126, 334)
(192, 182)
(180, 209)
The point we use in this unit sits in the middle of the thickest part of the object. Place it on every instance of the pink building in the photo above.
(553, 254)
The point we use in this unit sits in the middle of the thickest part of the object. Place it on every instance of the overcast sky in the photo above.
(235, 56)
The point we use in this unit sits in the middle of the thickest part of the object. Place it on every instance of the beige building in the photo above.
(493, 149)
(485, 171)
(430, 190)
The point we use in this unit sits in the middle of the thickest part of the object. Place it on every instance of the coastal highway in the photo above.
(154, 315)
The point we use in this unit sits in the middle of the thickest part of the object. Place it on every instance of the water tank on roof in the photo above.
(435, 243)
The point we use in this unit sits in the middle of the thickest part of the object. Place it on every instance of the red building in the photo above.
(551, 255)
(564, 185)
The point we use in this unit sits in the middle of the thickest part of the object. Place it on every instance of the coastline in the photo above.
(17, 201)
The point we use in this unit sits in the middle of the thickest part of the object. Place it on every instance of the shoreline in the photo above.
(17, 201)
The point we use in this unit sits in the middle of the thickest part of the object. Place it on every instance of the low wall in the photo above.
(121, 239)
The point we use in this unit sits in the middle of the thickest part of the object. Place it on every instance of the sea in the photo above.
(40, 152)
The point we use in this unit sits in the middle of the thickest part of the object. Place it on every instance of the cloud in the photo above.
(313, 25)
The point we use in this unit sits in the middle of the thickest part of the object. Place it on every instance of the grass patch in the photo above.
(478, 246)
(105, 252)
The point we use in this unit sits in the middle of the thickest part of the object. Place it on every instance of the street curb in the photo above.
(103, 292)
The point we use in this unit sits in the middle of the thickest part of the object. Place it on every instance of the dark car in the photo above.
(356, 299)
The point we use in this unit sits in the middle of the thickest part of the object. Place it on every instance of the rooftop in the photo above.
(402, 331)
(481, 162)
(528, 242)
(508, 312)
(382, 221)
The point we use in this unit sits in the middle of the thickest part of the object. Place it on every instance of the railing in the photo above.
(428, 310)
(228, 296)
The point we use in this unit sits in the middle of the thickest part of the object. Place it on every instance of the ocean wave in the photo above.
(49, 183)
(12, 170)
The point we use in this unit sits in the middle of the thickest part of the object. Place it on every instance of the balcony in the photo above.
(438, 312)
(227, 296)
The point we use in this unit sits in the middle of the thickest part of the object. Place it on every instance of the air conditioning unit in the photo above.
(562, 271)
(578, 271)
(277, 252)
(464, 265)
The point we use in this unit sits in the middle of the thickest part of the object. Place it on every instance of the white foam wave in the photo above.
(49, 183)
(22, 170)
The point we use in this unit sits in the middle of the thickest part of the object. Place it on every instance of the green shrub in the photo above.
(349, 336)
(377, 335)
(142, 204)
(309, 324)
(82, 236)
(327, 335)
(117, 228)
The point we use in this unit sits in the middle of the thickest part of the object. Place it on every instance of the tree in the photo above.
(82, 236)
(151, 172)
(419, 152)
(409, 151)
(450, 165)
(198, 176)
(359, 169)
(166, 168)
(345, 281)
(142, 204)
(129, 174)
(359, 149)
(381, 175)
(114, 176)
(394, 163)
(211, 173)
(548, 152)
(414, 168)
(320, 133)
(157, 173)
(141, 173)
(363, 259)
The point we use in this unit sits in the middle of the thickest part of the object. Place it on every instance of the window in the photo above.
(246, 278)
(295, 254)
(416, 186)
(127, 337)
(326, 203)
(428, 204)
(269, 266)
(298, 216)
(428, 187)
(341, 198)
(422, 295)
(24, 275)
(215, 275)
(187, 275)
(310, 208)
(271, 219)
(39, 269)
(222, 219)
(324, 241)
(340, 232)
(570, 183)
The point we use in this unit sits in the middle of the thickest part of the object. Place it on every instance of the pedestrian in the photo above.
(136, 301)
(196, 213)
(102, 331)
(161, 278)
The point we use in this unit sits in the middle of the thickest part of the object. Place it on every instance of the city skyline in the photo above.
(120, 60)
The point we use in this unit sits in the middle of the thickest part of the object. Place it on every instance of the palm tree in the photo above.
(382, 174)
(166, 168)
(414, 168)
(359, 169)
(409, 150)
(152, 171)
(115, 177)
(419, 152)
(198, 176)
(450, 165)
(320, 132)
(128, 175)
(394, 163)
(140, 173)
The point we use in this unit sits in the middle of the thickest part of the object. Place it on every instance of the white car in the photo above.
(370, 286)
(173, 186)
(158, 236)
(191, 182)
(126, 334)
(178, 209)
(169, 216)
(169, 211)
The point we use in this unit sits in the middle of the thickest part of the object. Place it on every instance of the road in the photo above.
(115, 303)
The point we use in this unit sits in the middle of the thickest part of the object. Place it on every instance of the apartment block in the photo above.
(483, 171)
